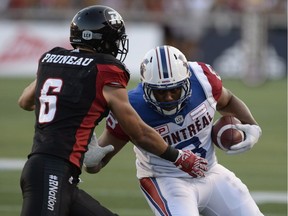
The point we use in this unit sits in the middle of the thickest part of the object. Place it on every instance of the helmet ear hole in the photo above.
(106, 30)
(165, 67)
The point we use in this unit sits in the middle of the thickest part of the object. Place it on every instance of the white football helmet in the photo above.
(165, 67)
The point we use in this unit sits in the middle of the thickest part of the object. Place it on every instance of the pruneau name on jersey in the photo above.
(66, 59)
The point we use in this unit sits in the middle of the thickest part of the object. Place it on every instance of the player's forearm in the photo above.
(152, 142)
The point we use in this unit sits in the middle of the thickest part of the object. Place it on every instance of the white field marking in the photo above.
(259, 196)
(11, 164)
(269, 197)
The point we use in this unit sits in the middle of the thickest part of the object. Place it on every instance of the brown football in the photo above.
(224, 134)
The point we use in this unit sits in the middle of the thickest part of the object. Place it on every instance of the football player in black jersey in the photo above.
(73, 91)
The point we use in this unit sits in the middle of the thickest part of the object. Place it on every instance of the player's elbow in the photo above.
(22, 103)
(26, 105)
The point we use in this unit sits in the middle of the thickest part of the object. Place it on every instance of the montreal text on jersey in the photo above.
(187, 132)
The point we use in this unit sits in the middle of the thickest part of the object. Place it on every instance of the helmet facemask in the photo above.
(172, 107)
(121, 48)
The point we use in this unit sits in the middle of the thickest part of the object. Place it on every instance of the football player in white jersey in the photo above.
(179, 99)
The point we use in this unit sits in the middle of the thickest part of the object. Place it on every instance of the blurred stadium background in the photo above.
(245, 41)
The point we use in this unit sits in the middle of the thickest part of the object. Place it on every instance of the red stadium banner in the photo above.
(23, 42)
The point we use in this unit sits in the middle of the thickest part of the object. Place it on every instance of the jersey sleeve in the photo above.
(214, 80)
(112, 75)
(114, 128)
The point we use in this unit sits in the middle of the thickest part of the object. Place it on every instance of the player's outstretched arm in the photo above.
(146, 137)
(138, 131)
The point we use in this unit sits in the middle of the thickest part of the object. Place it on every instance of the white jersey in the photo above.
(188, 129)
(168, 190)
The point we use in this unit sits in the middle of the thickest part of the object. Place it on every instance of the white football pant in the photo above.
(219, 193)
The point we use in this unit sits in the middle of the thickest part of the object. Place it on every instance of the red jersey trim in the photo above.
(214, 80)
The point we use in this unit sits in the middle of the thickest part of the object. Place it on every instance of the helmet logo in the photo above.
(143, 67)
(87, 35)
(115, 18)
(183, 59)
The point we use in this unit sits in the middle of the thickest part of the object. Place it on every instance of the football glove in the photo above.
(252, 135)
(95, 153)
(192, 164)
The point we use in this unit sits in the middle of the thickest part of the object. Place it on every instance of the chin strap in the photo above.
(169, 112)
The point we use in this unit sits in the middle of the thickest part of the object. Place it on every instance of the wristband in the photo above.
(170, 154)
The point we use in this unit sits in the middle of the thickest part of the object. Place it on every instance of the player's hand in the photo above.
(191, 163)
(252, 135)
(95, 153)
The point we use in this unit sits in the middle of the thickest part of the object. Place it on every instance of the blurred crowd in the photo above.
(173, 15)
(149, 5)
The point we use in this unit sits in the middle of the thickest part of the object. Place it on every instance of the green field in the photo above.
(264, 168)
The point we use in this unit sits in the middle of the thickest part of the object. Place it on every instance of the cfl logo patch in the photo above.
(87, 35)
(115, 18)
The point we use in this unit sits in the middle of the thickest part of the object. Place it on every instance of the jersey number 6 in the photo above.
(48, 102)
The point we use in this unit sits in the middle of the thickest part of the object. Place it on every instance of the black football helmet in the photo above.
(100, 28)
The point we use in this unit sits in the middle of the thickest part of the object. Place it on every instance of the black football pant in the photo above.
(49, 187)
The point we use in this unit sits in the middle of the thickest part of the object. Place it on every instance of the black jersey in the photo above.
(69, 100)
